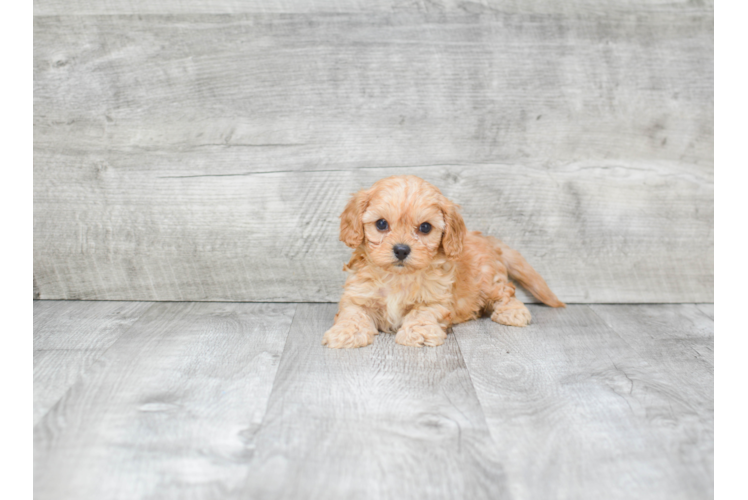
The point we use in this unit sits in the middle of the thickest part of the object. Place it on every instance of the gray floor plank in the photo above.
(194, 400)
(679, 337)
(169, 410)
(578, 413)
(385, 421)
(69, 336)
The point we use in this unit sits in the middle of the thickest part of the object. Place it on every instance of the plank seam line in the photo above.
(477, 398)
(275, 375)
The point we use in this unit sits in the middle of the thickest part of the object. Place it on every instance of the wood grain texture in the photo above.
(196, 401)
(580, 414)
(322, 91)
(168, 411)
(680, 337)
(68, 339)
(595, 233)
(108, 7)
(580, 133)
(385, 421)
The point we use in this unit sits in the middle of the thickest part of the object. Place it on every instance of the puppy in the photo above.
(416, 270)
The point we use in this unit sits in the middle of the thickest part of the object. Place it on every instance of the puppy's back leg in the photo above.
(507, 309)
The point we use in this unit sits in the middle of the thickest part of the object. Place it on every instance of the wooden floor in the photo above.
(240, 400)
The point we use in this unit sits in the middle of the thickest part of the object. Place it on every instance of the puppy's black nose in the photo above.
(401, 251)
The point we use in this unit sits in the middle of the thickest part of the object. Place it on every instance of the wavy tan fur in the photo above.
(450, 276)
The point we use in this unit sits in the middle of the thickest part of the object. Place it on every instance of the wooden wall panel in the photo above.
(196, 156)
(303, 91)
(598, 234)
(108, 7)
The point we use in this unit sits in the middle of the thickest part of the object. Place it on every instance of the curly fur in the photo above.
(450, 276)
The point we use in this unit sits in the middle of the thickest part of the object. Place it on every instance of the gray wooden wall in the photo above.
(194, 150)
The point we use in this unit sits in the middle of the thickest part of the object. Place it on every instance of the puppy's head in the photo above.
(402, 221)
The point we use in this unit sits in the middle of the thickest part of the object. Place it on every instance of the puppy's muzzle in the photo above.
(401, 251)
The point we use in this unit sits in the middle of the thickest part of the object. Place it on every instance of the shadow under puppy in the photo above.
(416, 270)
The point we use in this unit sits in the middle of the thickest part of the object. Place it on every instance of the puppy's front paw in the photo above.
(348, 334)
(516, 316)
(420, 335)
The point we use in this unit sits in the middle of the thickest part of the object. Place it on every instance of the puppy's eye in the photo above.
(382, 224)
(425, 228)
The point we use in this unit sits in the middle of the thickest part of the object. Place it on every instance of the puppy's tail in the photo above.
(528, 277)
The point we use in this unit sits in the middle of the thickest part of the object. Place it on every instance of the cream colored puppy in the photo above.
(416, 270)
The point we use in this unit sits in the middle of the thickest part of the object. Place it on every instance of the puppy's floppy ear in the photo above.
(454, 229)
(351, 226)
